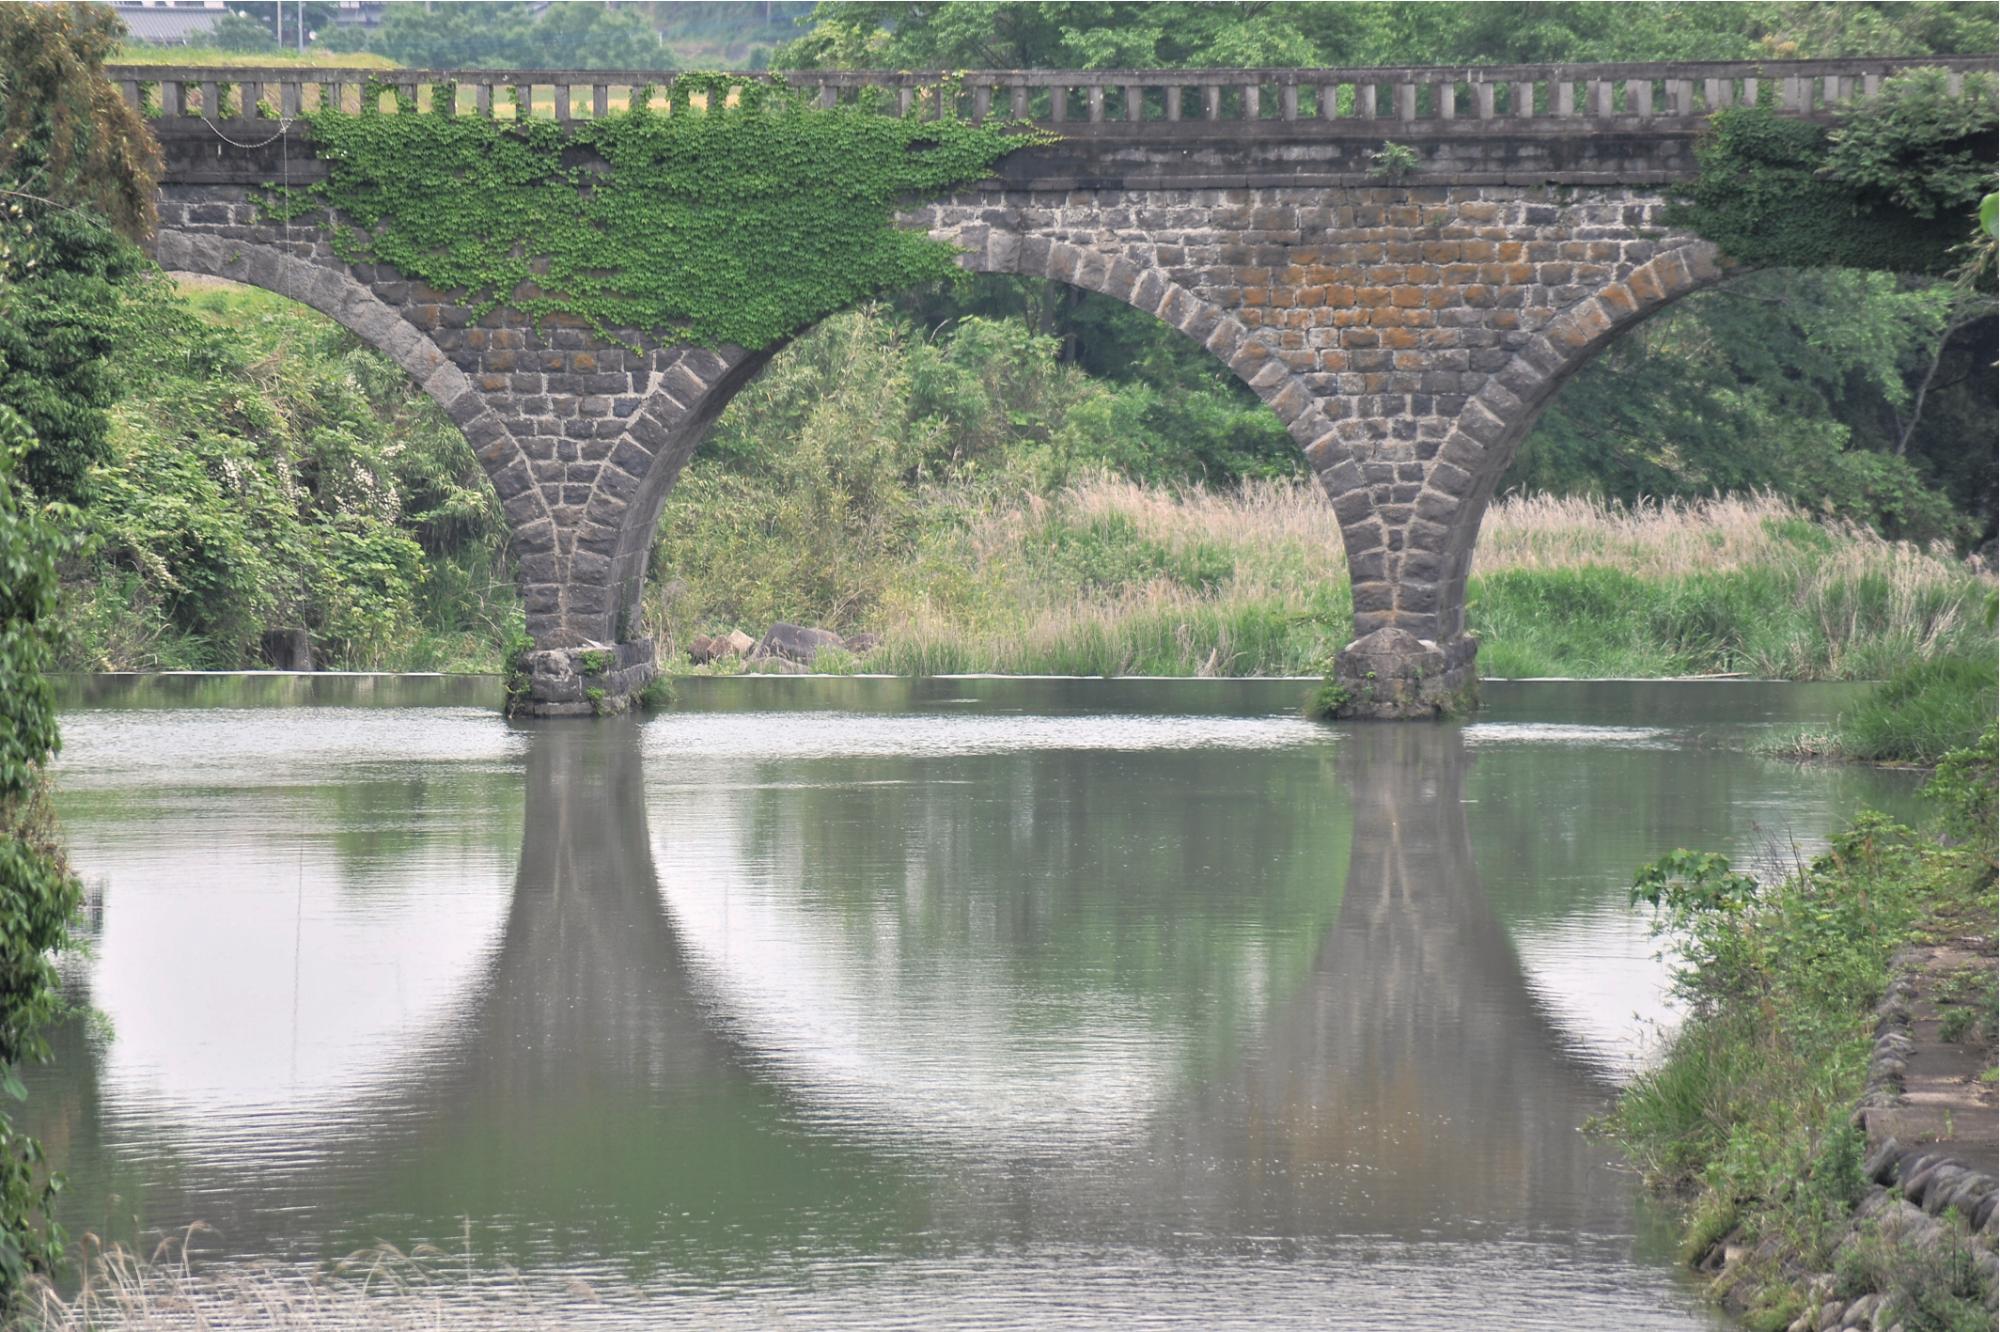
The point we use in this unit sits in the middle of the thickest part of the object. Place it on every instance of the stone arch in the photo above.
(633, 491)
(1425, 579)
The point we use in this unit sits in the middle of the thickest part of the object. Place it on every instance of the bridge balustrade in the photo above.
(1373, 102)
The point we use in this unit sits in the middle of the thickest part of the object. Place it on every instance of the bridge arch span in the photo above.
(643, 470)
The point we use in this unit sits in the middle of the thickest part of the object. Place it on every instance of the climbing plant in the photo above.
(727, 219)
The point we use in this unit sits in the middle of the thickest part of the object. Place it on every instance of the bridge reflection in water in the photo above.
(1104, 995)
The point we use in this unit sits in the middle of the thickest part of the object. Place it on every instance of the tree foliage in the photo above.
(76, 170)
(37, 891)
(483, 35)
(1756, 387)
(76, 181)
(267, 471)
(1893, 188)
(1105, 34)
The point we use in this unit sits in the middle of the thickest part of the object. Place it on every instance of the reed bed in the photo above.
(1109, 577)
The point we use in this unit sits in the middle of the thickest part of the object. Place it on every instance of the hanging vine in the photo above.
(739, 224)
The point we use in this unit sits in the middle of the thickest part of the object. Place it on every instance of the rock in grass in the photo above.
(793, 642)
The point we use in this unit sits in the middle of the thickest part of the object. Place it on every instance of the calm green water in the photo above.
(971, 1002)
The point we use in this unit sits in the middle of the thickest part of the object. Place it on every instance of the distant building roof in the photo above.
(359, 13)
(169, 27)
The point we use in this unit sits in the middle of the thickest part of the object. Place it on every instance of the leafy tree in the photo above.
(38, 894)
(75, 163)
(1751, 387)
(238, 33)
(1028, 34)
(1773, 190)
(593, 37)
(77, 172)
(267, 470)
(494, 35)
(473, 35)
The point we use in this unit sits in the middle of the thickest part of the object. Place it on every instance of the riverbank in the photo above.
(1113, 577)
(1915, 717)
(1840, 1020)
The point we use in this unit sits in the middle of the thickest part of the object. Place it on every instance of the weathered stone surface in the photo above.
(1392, 675)
(793, 642)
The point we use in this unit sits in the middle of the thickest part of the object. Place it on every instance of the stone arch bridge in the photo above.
(1407, 331)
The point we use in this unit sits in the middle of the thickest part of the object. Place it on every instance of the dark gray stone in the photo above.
(792, 642)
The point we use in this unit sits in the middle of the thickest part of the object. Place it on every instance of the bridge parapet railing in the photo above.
(1373, 101)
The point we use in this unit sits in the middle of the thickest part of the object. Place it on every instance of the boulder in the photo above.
(704, 649)
(863, 644)
(794, 642)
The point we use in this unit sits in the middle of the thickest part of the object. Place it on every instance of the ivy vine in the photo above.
(739, 224)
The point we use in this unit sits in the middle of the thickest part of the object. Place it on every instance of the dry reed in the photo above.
(1769, 590)
(376, 1290)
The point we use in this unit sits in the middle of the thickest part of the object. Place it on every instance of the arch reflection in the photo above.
(763, 1012)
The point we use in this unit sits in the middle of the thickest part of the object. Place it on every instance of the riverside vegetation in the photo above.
(1748, 1116)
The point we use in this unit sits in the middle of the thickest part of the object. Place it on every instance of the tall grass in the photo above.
(376, 1290)
(1113, 577)
(1922, 712)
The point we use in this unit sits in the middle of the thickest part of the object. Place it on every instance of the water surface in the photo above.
(946, 1002)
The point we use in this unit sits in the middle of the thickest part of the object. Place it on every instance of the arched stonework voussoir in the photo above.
(355, 307)
(1430, 577)
(1130, 273)
(688, 389)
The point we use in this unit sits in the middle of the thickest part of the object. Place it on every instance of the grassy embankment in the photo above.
(139, 53)
(1748, 1115)
(1110, 577)
(1920, 713)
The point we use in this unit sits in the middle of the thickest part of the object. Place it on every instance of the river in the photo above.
(864, 1002)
